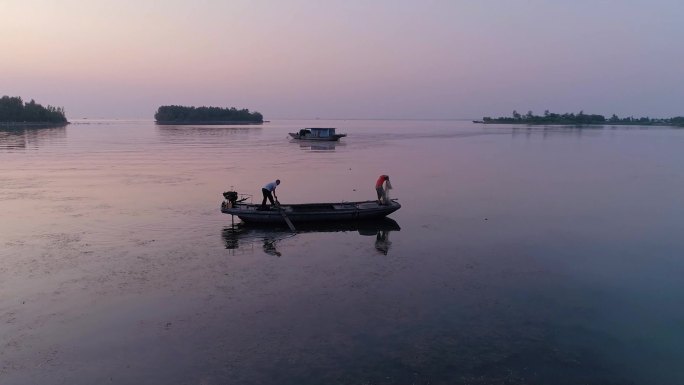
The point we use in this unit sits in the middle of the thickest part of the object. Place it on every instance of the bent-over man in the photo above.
(269, 192)
(382, 196)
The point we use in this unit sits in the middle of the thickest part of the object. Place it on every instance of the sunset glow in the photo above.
(345, 59)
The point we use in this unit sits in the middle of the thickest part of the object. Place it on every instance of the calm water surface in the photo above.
(520, 256)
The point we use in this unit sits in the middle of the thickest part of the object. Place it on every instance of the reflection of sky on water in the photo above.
(524, 256)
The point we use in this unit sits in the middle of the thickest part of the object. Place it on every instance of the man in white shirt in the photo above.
(269, 192)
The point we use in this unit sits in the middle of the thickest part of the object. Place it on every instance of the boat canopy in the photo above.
(321, 132)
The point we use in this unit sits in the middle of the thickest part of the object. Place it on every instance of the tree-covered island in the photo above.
(580, 119)
(15, 113)
(206, 115)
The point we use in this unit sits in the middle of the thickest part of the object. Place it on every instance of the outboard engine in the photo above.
(231, 197)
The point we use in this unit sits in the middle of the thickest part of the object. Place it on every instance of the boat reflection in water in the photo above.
(317, 146)
(246, 236)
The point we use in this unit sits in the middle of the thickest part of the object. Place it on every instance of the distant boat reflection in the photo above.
(243, 236)
(317, 146)
(13, 138)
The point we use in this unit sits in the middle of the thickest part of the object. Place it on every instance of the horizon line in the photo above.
(267, 120)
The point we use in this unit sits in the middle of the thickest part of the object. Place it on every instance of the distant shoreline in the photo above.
(203, 122)
(184, 115)
(582, 124)
(580, 119)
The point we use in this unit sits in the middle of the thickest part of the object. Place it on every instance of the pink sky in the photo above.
(346, 59)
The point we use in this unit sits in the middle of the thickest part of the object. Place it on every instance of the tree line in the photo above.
(582, 118)
(180, 114)
(14, 110)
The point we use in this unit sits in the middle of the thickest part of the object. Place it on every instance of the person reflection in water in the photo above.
(382, 243)
(382, 192)
(270, 247)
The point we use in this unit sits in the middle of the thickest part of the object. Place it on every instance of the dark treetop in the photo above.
(14, 111)
(581, 118)
(205, 115)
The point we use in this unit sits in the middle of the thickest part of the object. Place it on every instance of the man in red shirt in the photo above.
(382, 197)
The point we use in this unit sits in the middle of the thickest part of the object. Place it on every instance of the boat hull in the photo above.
(311, 212)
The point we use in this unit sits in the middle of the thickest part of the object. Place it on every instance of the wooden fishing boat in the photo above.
(317, 133)
(305, 212)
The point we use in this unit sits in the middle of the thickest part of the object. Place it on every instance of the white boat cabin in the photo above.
(318, 132)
